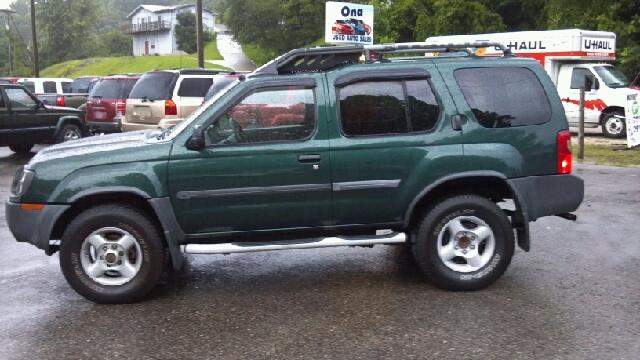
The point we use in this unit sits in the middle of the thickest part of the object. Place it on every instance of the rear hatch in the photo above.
(149, 97)
(107, 98)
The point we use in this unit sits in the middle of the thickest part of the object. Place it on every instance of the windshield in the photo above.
(206, 106)
(611, 76)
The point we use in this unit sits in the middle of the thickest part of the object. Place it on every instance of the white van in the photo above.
(47, 85)
(568, 56)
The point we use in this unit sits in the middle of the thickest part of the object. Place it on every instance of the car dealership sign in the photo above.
(347, 23)
(632, 115)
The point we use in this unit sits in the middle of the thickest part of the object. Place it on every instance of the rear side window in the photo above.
(66, 87)
(388, 107)
(156, 85)
(108, 89)
(504, 97)
(49, 87)
(194, 87)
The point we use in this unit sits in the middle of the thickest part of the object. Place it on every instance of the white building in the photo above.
(152, 27)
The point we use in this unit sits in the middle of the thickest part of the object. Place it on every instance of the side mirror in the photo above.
(196, 141)
(597, 84)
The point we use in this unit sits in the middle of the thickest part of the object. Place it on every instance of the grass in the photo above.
(609, 155)
(260, 56)
(131, 64)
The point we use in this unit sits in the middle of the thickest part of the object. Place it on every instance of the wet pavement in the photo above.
(576, 295)
(232, 53)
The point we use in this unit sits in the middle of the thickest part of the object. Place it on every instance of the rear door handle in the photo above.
(309, 158)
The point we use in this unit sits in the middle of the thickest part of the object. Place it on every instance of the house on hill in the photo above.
(152, 27)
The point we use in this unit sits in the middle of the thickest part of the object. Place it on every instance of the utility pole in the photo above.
(36, 70)
(199, 35)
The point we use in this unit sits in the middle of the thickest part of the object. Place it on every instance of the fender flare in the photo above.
(521, 210)
(69, 119)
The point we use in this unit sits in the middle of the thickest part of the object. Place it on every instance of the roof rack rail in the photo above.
(327, 57)
(202, 71)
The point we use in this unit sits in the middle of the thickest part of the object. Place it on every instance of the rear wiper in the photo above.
(145, 99)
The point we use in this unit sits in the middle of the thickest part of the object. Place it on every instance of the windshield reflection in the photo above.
(611, 76)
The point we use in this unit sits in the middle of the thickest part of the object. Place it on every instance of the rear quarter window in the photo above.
(504, 96)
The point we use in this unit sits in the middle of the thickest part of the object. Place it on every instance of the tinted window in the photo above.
(219, 85)
(29, 85)
(266, 115)
(108, 89)
(49, 87)
(80, 85)
(194, 87)
(504, 97)
(128, 85)
(66, 87)
(424, 110)
(2, 103)
(373, 108)
(577, 77)
(156, 85)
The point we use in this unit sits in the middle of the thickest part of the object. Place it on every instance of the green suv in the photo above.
(451, 156)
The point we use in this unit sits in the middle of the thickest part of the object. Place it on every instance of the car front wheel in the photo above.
(464, 243)
(112, 254)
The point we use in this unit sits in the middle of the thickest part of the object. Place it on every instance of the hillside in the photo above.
(130, 64)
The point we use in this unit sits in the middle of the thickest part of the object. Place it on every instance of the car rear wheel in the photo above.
(112, 254)
(21, 148)
(464, 243)
(69, 132)
(613, 126)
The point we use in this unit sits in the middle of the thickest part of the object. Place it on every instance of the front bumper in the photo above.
(33, 226)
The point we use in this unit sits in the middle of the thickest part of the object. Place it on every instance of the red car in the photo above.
(342, 27)
(107, 101)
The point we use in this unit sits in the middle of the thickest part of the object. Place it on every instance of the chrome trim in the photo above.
(369, 184)
(228, 248)
(270, 190)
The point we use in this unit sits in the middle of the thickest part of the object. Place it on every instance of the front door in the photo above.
(593, 106)
(5, 121)
(265, 165)
(30, 121)
(146, 48)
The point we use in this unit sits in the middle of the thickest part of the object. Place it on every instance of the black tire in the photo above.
(468, 209)
(149, 246)
(21, 148)
(613, 127)
(69, 132)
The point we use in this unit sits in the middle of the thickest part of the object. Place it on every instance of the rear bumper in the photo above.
(132, 126)
(33, 226)
(548, 195)
(112, 126)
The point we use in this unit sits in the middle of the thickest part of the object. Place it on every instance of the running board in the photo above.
(229, 248)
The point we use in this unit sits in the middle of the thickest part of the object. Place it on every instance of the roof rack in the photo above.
(327, 57)
(202, 71)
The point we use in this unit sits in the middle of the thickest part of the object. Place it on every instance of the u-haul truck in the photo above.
(567, 56)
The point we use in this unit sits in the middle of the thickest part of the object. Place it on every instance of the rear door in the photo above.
(390, 134)
(191, 92)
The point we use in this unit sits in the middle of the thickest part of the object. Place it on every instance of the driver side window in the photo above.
(275, 114)
(19, 99)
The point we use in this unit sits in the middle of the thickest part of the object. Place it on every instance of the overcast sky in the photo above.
(4, 4)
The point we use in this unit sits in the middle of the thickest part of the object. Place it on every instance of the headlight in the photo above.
(21, 182)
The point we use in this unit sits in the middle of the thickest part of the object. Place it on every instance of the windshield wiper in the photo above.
(165, 132)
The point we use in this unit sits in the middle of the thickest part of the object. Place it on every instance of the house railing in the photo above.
(148, 26)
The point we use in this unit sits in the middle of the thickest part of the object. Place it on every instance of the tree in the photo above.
(185, 32)
(259, 22)
(68, 29)
(457, 17)
(116, 43)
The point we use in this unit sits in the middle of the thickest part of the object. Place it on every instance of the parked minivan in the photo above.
(163, 98)
(107, 101)
(47, 85)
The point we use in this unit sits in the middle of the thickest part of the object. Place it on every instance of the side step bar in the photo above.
(229, 248)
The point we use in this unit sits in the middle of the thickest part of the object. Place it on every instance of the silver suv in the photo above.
(162, 98)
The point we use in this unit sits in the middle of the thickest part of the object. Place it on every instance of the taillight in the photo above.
(564, 152)
(170, 108)
(121, 105)
(60, 101)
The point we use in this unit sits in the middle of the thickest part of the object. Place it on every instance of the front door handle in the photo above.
(309, 158)
(456, 123)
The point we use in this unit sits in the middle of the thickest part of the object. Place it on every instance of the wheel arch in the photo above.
(69, 119)
(490, 184)
(608, 110)
(154, 209)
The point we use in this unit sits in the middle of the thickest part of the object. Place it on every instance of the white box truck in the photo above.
(568, 56)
